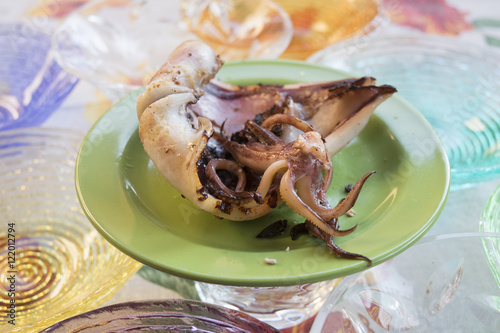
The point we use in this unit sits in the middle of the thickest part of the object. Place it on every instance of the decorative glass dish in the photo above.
(237, 30)
(288, 308)
(54, 261)
(118, 46)
(441, 284)
(32, 84)
(265, 29)
(455, 86)
(173, 315)
(318, 23)
(490, 216)
(490, 222)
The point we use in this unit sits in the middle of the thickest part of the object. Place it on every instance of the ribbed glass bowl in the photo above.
(443, 283)
(173, 315)
(62, 266)
(32, 84)
(455, 85)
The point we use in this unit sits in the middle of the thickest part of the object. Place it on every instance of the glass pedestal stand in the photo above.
(281, 306)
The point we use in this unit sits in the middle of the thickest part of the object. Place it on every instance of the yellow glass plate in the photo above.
(53, 263)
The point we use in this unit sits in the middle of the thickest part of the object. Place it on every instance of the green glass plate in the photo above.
(135, 209)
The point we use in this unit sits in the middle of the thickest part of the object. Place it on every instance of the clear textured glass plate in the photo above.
(455, 86)
(490, 222)
(490, 216)
(118, 46)
(132, 205)
(61, 266)
(175, 315)
(32, 84)
(441, 284)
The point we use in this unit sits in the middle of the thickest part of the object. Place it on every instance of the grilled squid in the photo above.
(239, 152)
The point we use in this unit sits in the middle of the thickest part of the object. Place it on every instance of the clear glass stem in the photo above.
(281, 307)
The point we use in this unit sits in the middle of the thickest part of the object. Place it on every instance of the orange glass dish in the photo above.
(318, 23)
(265, 29)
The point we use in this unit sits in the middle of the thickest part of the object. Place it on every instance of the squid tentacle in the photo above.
(236, 195)
(287, 190)
(269, 175)
(348, 202)
(332, 246)
(285, 119)
(263, 134)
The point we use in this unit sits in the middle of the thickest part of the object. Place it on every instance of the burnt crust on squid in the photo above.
(203, 194)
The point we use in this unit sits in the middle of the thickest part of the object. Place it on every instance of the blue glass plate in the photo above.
(454, 84)
(32, 84)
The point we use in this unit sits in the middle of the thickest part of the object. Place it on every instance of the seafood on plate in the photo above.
(239, 152)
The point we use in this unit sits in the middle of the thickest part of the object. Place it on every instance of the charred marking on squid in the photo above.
(201, 191)
(224, 207)
(273, 199)
(245, 210)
